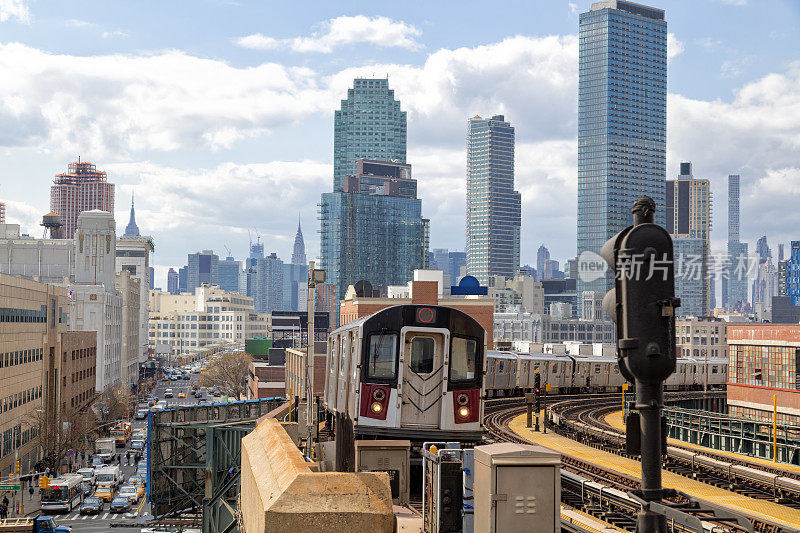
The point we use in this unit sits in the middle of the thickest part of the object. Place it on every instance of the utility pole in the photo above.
(315, 276)
(643, 304)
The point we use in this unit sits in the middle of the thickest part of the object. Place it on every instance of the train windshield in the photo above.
(382, 355)
(463, 355)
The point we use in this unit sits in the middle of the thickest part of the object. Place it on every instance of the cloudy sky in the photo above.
(219, 113)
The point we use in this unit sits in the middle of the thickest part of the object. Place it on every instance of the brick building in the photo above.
(764, 361)
(81, 188)
(265, 380)
(481, 308)
(36, 365)
(78, 360)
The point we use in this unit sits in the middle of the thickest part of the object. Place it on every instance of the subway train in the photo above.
(511, 374)
(405, 372)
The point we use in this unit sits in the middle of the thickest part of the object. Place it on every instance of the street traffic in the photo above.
(113, 488)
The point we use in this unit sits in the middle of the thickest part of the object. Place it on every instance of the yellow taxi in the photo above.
(104, 493)
(139, 489)
(181, 395)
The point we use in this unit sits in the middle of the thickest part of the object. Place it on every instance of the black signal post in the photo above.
(643, 304)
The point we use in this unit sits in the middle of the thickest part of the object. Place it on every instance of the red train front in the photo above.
(407, 372)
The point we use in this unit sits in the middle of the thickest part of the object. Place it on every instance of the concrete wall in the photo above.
(280, 493)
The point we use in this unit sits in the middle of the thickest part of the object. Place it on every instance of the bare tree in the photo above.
(67, 432)
(229, 373)
(114, 404)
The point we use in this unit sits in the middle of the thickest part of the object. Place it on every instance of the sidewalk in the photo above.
(21, 499)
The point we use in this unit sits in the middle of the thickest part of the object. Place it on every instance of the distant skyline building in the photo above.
(793, 274)
(183, 274)
(132, 230)
(256, 249)
(81, 188)
(622, 109)
(494, 208)
(369, 125)
(202, 267)
(688, 218)
(172, 281)
(268, 284)
(734, 282)
(299, 250)
(542, 255)
(450, 263)
(229, 271)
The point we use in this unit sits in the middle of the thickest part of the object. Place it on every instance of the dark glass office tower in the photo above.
(622, 107)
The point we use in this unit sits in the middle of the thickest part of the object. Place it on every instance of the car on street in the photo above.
(104, 493)
(92, 505)
(87, 488)
(138, 479)
(120, 504)
(97, 462)
(181, 395)
(141, 414)
(88, 475)
(130, 492)
(137, 445)
(168, 393)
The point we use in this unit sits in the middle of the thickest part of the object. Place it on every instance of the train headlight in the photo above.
(462, 399)
(463, 411)
(378, 395)
(376, 407)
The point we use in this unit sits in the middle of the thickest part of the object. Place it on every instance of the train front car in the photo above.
(407, 372)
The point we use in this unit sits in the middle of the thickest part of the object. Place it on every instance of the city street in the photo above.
(139, 512)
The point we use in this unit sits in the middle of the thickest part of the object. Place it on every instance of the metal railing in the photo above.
(740, 435)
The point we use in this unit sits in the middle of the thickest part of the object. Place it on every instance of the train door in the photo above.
(423, 362)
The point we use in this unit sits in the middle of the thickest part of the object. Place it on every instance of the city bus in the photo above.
(63, 494)
(121, 432)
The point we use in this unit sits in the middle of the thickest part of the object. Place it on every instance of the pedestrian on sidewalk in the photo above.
(128, 457)
(5, 499)
(3, 511)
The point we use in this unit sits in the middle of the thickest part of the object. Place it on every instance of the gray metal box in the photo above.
(390, 456)
(517, 489)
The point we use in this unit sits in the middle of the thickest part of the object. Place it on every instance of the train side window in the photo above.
(714, 369)
(463, 356)
(422, 352)
(343, 353)
(382, 355)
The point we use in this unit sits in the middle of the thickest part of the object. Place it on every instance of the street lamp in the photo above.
(315, 277)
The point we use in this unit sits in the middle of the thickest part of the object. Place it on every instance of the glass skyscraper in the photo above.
(373, 230)
(622, 107)
(734, 278)
(493, 206)
(372, 225)
(370, 125)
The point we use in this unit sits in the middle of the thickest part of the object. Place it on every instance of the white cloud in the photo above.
(15, 9)
(113, 105)
(573, 8)
(116, 106)
(379, 31)
(674, 47)
(111, 34)
(192, 209)
(77, 23)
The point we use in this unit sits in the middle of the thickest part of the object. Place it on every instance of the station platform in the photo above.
(749, 506)
(615, 420)
(587, 521)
